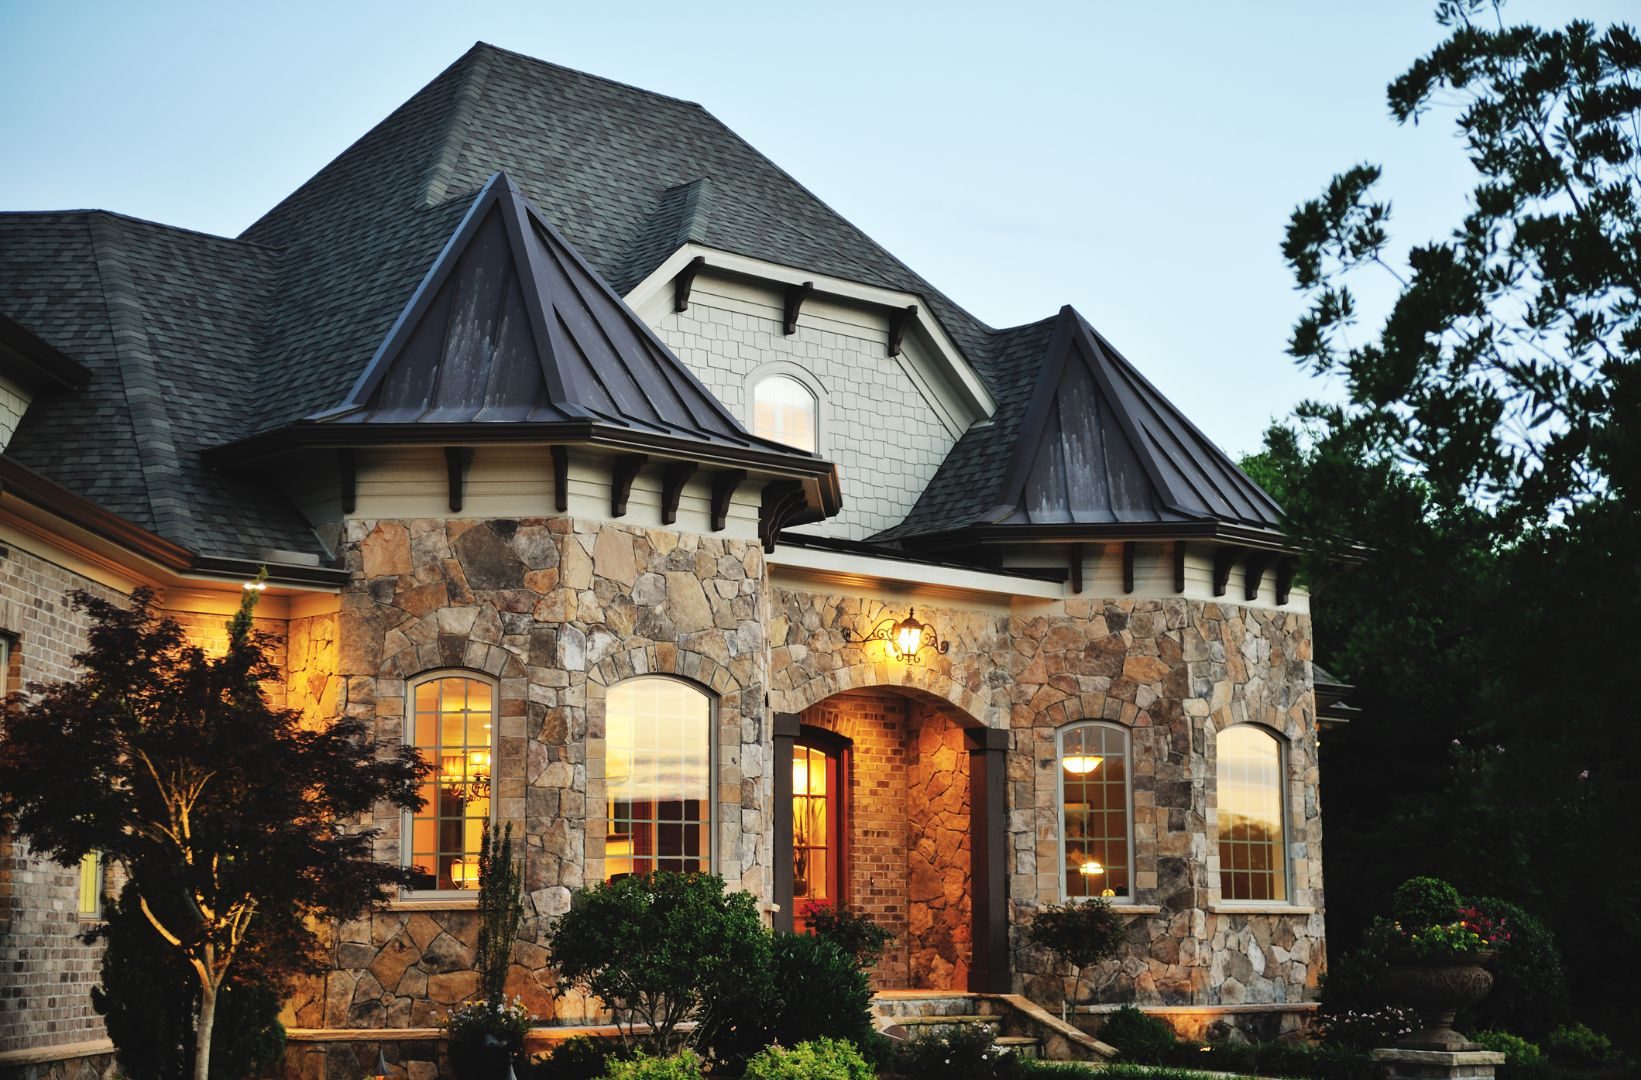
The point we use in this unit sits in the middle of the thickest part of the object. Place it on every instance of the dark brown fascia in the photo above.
(1206, 531)
(36, 363)
(24, 483)
(819, 478)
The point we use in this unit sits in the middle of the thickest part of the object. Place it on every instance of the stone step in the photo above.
(948, 1019)
(1020, 1045)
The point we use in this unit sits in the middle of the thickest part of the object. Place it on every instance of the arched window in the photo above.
(787, 411)
(1096, 818)
(1253, 864)
(657, 777)
(451, 723)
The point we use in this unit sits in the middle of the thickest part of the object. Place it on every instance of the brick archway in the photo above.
(937, 826)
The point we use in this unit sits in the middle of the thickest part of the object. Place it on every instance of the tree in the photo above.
(1487, 459)
(225, 813)
(501, 906)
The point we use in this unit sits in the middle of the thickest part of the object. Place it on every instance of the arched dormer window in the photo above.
(657, 777)
(451, 721)
(1096, 811)
(1253, 863)
(786, 410)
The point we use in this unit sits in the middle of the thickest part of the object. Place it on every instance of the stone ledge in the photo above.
(1260, 909)
(39, 1055)
(431, 904)
(1186, 1010)
(1137, 909)
(1438, 1057)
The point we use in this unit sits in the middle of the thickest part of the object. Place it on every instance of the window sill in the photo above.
(1260, 909)
(432, 903)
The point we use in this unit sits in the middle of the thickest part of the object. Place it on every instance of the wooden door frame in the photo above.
(789, 731)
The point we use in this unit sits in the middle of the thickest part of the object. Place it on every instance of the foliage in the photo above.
(477, 1018)
(1143, 1039)
(806, 989)
(1424, 901)
(1078, 935)
(683, 1065)
(1529, 994)
(817, 1059)
(1435, 923)
(1031, 1070)
(148, 998)
(1364, 1029)
(852, 931)
(1279, 1057)
(1486, 460)
(501, 906)
(578, 1058)
(660, 949)
(966, 1050)
(1576, 1044)
(225, 813)
(1516, 1050)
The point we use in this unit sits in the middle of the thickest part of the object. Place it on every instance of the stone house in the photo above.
(683, 527)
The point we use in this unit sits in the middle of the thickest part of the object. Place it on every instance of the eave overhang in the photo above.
(35, 363)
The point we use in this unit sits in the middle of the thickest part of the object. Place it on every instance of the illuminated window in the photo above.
(784, 409)
(657, 775)
(91, 885)
(1252, 863)
(1096, 835)
(452, 725)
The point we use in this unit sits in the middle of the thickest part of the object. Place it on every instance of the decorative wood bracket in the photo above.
(561, 478)
(1074, 560)
(782, 499)
(1286, 567)
(1253, 574)
(347, 471)
(456, 461)
(1128, 566)
(673, 480)
(795, 296)
(723, 489)
(1179, 566)
(622, 473)
(685, 281)
(898, 321)
(1224, 559)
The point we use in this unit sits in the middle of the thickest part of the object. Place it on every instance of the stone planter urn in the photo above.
(485, 1057)
(1438, 988)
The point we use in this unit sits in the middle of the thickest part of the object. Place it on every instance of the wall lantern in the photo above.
(382, 1071)
(1082, 764)
(907, 638)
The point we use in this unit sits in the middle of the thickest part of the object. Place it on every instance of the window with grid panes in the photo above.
(1097, 820)
(785, 410)
(451, 723)
(657, 777)
(1252, 859)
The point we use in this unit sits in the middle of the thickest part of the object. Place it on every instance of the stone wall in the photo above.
(938, 852)
(46, 971)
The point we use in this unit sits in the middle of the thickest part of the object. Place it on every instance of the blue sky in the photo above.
(1138, 161)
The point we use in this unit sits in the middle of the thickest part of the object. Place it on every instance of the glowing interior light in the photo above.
(1082, 764)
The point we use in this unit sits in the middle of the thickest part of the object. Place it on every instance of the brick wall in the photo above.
(46, 971)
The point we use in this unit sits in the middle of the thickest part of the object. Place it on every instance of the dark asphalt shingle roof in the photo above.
(196, 341)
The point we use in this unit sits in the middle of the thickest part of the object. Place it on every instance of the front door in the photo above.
(819, 783)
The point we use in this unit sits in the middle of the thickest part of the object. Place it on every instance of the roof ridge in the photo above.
(437, 188)
(139, 380)
(87, 211)
(539, 62)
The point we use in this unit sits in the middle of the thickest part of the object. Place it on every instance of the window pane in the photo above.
(1094, 780)
(783, 409)
(657, 777)
(1251, 856)
(452, 727)
(91, 884)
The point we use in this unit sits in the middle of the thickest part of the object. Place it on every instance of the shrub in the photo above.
(1424, 901)
(1529, 994)
(659, 949)
(818, 1059)
(1078, 935)
(1575, 1044)
(852, 931)
(1516, 1050)
(1142, 1039)
(965, 1050)
(579, 1058)
(809, 989)
(501, 906)
(683, 1065)
(466, 1028)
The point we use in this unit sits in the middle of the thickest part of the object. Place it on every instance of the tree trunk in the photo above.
(202, 1036)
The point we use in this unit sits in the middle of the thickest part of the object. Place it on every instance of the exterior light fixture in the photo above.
(907, 638)
(1082, 764)
(382, 1071)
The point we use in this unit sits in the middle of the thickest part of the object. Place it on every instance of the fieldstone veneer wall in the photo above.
(556, 611)
(1174, 672)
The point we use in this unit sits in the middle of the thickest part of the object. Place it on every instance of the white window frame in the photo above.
(1283, 814)
(803, 377)
(712, 862)
(1128, 797)
(407, 842)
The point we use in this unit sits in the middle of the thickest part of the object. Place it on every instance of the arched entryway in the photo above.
(893, 801)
